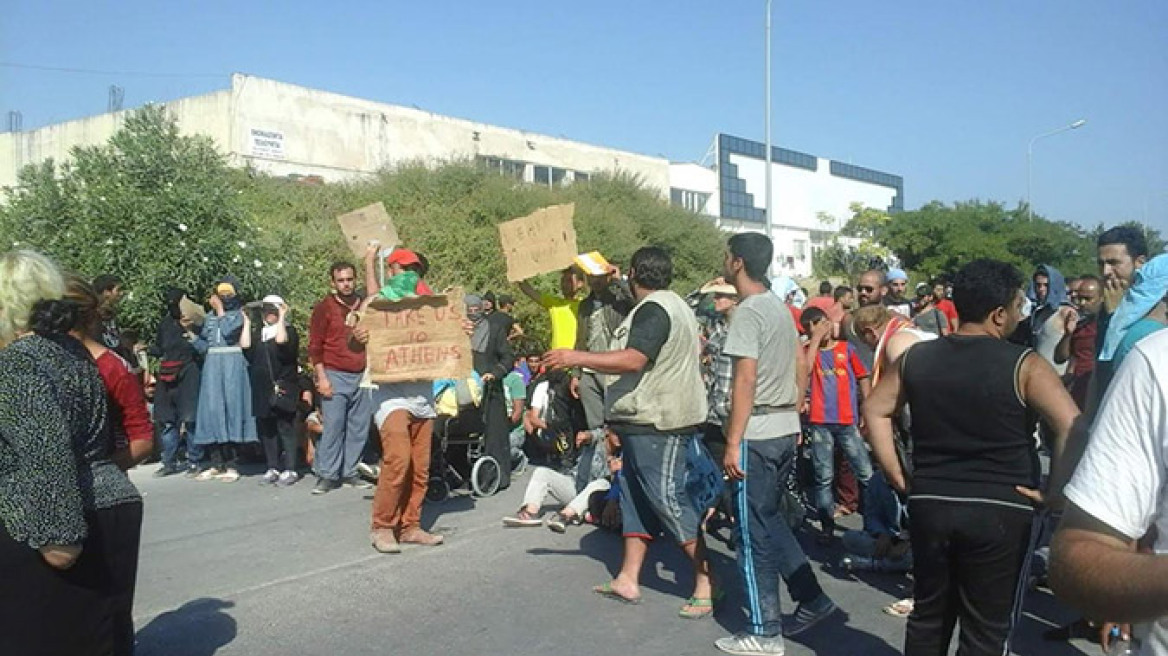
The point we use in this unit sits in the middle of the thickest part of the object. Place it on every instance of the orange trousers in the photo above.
(405, 471)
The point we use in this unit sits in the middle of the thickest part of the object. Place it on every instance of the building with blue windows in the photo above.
(812, 196)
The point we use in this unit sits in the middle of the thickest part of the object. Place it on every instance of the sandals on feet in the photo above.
(607, 590)
(696, 608)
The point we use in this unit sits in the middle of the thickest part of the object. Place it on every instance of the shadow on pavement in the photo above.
(198, 628)
(663, 557)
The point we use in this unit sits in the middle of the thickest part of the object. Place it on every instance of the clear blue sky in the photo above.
(946, 94)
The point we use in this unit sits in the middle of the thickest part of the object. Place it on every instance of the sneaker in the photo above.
(209, 474)
(384, 541)
(418, 536)
(165, 470)
(287, 478)
(326, 485)
(522, 519)
(746, 644)
(559, 522)
(368, 472)
(270, 477)
(806, 617)
(229, 475)
(357, 482)
(192, 471)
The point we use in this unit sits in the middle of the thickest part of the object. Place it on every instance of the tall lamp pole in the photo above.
(767, 157)
(1030, 159)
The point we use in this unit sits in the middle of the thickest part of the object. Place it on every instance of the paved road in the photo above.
(244, 569)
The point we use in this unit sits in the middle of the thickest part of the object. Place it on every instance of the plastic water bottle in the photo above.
(1120, 646)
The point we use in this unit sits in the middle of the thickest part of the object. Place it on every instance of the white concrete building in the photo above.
(804, 188)
(284, 129)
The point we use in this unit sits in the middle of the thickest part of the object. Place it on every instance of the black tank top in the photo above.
(972, 433)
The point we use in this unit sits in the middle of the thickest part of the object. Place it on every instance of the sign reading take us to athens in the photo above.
(417, 339)
(541, 242)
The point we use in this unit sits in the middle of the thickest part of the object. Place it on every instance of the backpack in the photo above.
(564, 416)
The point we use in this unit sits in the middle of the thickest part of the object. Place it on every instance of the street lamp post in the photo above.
(767, 156)
(1030, 158)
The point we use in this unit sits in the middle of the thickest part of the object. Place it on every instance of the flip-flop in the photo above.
(706, 606)
(699, 609)
(607, 591)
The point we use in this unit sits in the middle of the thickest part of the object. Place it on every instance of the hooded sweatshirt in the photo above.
(1045, 330)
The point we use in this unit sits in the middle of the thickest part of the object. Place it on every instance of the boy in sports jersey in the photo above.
(837, 378)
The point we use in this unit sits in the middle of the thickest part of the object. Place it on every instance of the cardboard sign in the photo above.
(370, 223)
(417, 339)
(539, 243)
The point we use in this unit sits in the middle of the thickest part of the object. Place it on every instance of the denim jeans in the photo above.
(767, 548)
(170, 438)
(824, 437)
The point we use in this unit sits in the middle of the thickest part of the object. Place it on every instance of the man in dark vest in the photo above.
(974, 396)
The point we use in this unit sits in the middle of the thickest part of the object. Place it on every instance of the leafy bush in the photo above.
(158, 208)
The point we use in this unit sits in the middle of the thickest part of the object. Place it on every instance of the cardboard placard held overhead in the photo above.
(541, 242)
(369, 223)
(417, 339)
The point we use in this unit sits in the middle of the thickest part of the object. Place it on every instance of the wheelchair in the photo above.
(454, 435)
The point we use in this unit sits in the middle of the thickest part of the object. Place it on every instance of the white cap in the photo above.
(272, 299)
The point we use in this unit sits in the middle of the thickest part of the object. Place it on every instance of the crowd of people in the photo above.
(744, 405)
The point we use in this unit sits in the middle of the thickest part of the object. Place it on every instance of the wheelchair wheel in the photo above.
(437, 490)
(484, 478)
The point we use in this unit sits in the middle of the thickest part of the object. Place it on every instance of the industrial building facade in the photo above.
(288, 130)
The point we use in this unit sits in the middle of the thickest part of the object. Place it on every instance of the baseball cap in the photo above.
(896, 274)
(403, 256)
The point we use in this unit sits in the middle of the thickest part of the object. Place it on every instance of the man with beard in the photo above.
(1050, 309)
(347, 408)
(894, 297)
(1077, 347)
(1123, 250)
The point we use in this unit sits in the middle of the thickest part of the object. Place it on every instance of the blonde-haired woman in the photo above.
(70, 520)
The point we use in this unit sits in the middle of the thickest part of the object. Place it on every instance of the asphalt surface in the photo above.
(248, 569)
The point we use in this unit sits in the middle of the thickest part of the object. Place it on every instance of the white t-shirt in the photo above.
(415, 398)
(1121, 479)
(1049, 335)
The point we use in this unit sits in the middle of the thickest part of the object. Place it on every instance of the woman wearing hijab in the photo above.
(176, 392)
(272, 347)
(224, 420)
(70, 520)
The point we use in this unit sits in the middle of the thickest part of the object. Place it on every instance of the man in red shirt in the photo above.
(1079, 340)
(943, 303)
(346, 406)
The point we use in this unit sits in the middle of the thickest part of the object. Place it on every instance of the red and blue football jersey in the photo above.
(835, 380)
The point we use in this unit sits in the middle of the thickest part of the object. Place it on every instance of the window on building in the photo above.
(582, 177)
(694, 201)
(800, 249)
(541, 175)
(559, 176)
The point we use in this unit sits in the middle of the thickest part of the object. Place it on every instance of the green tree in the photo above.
(158, 208)
(152, 206)
(938, 239)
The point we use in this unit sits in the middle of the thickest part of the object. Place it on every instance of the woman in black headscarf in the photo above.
(176, 393)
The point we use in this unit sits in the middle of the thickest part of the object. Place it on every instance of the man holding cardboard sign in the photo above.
(409, 343)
